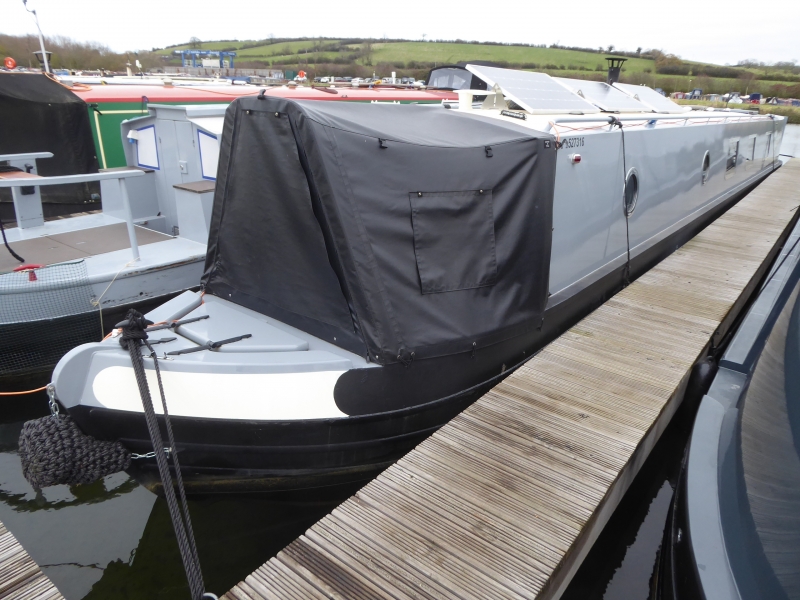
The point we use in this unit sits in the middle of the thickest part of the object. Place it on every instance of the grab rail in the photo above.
(24, 156)
(685, 116)
(121, 176)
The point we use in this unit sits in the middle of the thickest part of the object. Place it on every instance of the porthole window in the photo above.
(631, 191)
(706, 167)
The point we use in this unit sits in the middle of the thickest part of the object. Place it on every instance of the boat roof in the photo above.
(221, 93)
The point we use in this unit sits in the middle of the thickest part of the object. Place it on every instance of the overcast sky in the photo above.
(716, 32)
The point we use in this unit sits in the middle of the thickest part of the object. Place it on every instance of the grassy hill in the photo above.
(451, 52)
(339, 57)
(363, 57)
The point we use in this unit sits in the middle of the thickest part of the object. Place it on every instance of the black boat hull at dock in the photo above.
(241, 456)
(226, 455)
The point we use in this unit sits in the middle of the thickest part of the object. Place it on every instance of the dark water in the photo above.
(113, 539)
(622, 564)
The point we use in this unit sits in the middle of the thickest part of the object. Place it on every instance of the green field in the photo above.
(284, 49)
(450, 52)
(322, 57)
(423, 52)
(206, 46)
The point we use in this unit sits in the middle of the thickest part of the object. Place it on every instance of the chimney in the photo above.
(614, 68)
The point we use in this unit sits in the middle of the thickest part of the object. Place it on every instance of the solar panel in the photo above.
(650, 97)
(535, 92)
(603, 95)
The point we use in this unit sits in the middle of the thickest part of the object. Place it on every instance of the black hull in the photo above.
(220, 455)
(392, 409)
(677, 577)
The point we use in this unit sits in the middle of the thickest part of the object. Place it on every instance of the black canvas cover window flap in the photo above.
(453, 240)
(317, 225)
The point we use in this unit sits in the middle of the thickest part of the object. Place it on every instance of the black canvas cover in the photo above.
(38, 114)
(386, 229)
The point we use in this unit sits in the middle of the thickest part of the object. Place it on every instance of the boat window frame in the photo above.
(750, 152)
(705, 168)
(732, 153)
(767, 149)
(630, 205)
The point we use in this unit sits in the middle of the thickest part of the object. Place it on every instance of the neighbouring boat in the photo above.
(391, 262)
(109, 105)
(83, 272)
(733, 531)
(40, 114)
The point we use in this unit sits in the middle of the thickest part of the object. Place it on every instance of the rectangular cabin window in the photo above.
(733, 156)
(768, 149)
(209, 154)
(146, 148)
(749, 153)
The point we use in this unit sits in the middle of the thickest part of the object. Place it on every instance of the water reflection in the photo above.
(623, 562)
(113, 539)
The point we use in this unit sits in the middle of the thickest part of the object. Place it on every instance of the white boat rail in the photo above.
(13, 158)
(647, 117)
(20, 200)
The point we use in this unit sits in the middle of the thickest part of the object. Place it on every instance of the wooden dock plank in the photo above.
(20, 577)
(506, 499)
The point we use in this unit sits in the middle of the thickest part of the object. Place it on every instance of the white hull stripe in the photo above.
(256, 396)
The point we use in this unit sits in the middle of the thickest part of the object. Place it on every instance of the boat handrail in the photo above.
(120, 176)
(647, 117)
(66, 179)
(25, 156)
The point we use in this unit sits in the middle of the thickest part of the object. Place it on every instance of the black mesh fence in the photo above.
(44, 313)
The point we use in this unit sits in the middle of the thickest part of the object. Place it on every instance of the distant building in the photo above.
(202, 54)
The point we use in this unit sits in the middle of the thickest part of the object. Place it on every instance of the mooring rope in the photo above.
(615, 122)
(132, 339)
(41, 389)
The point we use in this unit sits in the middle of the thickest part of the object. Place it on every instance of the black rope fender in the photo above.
(132, 339)
(54, 451)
